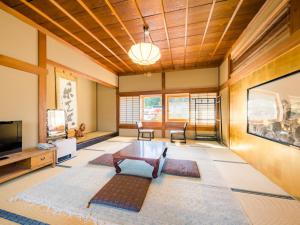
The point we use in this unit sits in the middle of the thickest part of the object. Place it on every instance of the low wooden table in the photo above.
(148, 151)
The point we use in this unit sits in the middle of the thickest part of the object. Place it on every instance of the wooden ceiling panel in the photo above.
(193, 40)
(149, 7)
(126, 10)
(199, 14)
(155, 22)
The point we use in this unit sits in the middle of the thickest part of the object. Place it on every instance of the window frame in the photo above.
(142, 97)
(180, 95)
(133, 96)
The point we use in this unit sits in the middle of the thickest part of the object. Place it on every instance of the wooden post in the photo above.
(42, 87)
(163, 87)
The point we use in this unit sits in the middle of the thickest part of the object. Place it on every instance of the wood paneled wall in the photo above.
(278, 162)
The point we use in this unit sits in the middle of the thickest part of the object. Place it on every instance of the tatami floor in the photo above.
(263, 202)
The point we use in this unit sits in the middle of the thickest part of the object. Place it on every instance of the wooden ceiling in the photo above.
(190, 33)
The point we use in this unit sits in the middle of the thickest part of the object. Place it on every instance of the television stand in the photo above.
(4, 157)
(28, 160)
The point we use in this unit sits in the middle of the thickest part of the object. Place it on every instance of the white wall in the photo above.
(198, 78)
(70, 57)
(19, 101)
(17, 39)
(106, 108)
(140, 82)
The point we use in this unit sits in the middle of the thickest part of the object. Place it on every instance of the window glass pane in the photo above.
(152, 108)
(178, 107)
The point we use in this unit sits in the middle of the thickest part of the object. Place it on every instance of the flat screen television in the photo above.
(56, 123)
(10, 137)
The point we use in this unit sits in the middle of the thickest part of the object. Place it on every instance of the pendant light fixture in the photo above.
(144, 53)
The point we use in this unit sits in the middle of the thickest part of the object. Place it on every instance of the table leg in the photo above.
(165, 152)
(155, 169)
(116, 164)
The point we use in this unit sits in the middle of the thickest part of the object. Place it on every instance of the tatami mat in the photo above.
(244, 176)
(6, 222)
(263, 210)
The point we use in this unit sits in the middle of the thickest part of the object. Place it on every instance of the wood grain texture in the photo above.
(21, 65)
(42, 88)
(173, 30)
(278, 162)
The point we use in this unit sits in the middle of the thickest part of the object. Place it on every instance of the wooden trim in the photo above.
(98, 21)
(163, 88)
(80, 74)
(186, 29)
(171, 91)
(35, 9)
(42, 88)
(168, 126)
(256, 27)
(88, 32)
(169, 70)
(21, 65)
(166, 31)
(259, 61)
(119, 19)
(207, 25)
(227, 26)
(31, 23)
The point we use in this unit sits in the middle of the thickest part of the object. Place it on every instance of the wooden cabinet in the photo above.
(26, 161)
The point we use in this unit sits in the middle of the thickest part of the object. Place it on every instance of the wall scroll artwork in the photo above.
(66, 89)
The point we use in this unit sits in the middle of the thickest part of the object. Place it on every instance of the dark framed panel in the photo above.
(273, 110)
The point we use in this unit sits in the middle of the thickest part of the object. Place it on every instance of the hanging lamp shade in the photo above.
(144, 53)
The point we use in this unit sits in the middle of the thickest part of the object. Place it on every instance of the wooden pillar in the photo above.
(42, 87)
(163, 87)
(117, 107)
(295, 16)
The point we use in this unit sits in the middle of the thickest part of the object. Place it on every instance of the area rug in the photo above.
(123, 191)
(103, 160)
(185, 168)
(169, 200)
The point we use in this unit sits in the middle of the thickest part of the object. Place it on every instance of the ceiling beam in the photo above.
(112, 9)
(207, 24)
(89, 32)
(227, 27)
(186, 29)
(35, 9)
(166, 31)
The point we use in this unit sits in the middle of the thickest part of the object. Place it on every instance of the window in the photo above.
(129, 109)
(151, 108)
(203, 109)
(177, 107)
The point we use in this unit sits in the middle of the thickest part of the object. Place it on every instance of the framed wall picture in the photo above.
(66, 97)
(274, 110)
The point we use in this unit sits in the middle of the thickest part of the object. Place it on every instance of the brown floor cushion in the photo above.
(179, 167)
(123, 191)
(104, 160)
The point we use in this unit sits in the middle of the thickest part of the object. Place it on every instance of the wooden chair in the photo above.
(179, 134)
(143, 131)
